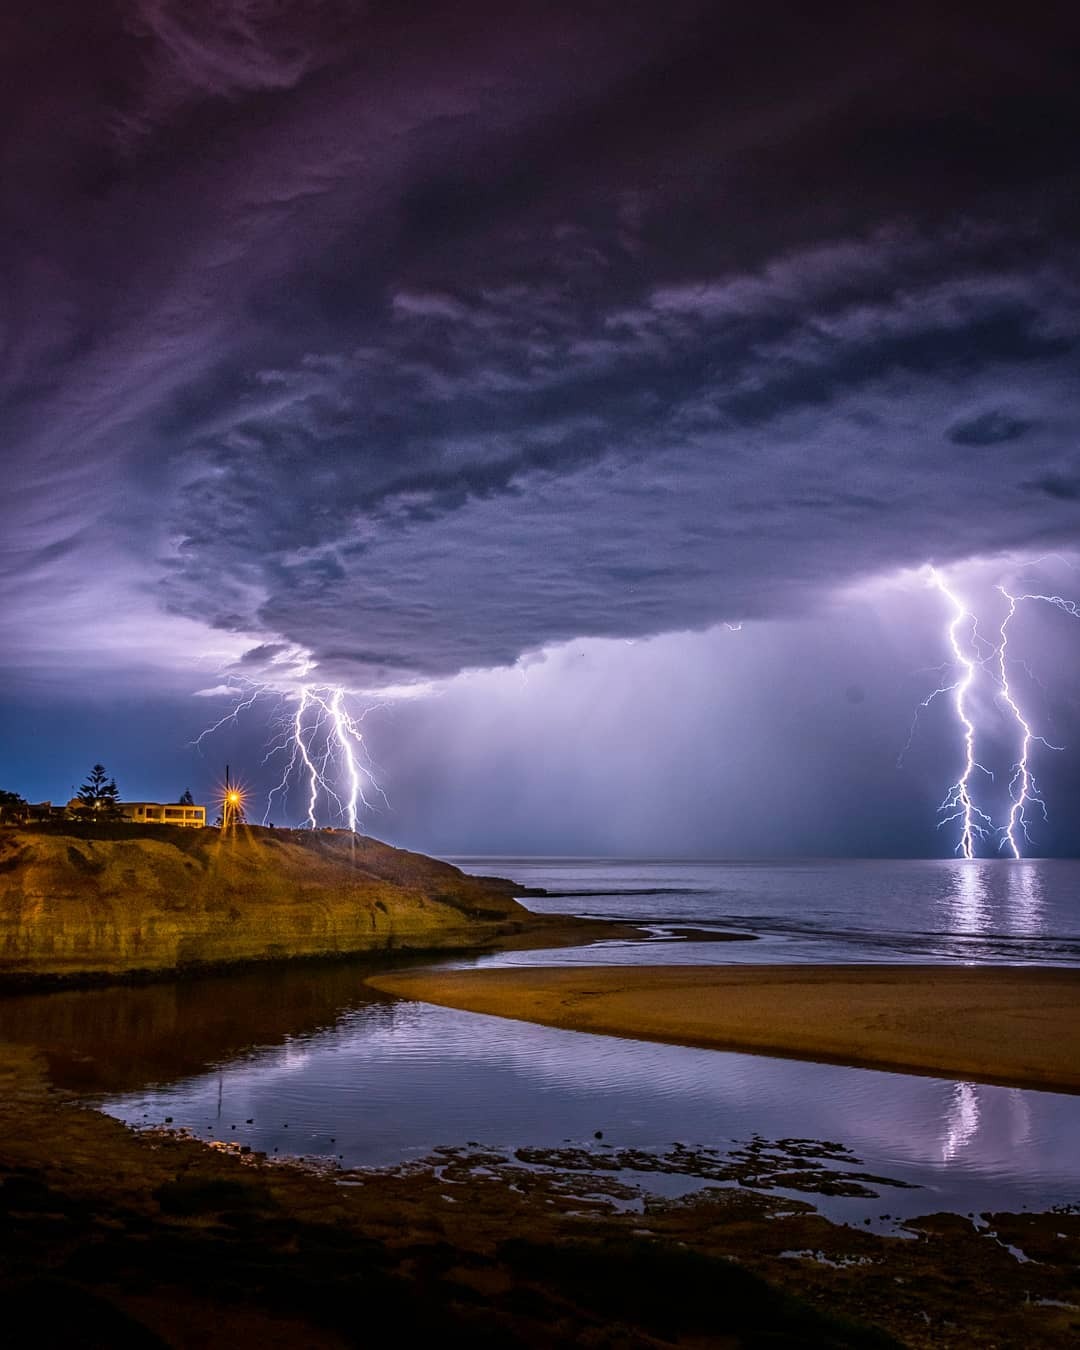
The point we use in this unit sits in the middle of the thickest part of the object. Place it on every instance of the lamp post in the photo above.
(232, 802)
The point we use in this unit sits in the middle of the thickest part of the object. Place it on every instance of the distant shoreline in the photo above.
(1018, 1026)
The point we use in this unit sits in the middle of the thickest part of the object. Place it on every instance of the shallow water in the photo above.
(391, 1080)
(306, 1060)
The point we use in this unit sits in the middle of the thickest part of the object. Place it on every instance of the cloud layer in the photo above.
(413, 341)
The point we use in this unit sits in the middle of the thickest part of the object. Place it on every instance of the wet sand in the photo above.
(1018, 1026)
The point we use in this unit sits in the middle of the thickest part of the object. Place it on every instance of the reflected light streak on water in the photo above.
(1026, 897)
(391, 1080)
(961, 1119)
(972, 911)
(984, 910)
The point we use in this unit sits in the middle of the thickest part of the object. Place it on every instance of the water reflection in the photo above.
(996, 899)
(373, 1082)
(118, 1039)
(1026, 889)
(961, 1119)
(995, 1122)
(986, 910)
(970, 909)
(308, 1060)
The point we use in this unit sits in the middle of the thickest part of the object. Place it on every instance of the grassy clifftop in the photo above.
(114, 900)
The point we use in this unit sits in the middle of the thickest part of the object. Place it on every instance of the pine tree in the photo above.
(186, 799)
(99, 796)
(12, 806)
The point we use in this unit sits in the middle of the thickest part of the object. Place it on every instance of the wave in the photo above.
(622, 890)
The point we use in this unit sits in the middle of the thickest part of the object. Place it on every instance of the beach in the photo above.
(1017, 1026)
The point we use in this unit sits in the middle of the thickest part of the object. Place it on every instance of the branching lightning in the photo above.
(975, 824)
(325, 757)
(1023, 790)
(973, 657)
(231, 716)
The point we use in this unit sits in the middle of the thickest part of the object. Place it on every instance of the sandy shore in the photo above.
(1014, 1025)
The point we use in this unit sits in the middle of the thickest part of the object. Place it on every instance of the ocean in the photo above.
(993, 911)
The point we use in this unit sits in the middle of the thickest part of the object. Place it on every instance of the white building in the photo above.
(160, 813)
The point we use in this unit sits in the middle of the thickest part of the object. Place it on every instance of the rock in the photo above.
(112, 901)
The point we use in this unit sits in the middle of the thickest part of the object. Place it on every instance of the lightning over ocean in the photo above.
(983, 693)
(958, 802)
(520, 520)
(503, 370)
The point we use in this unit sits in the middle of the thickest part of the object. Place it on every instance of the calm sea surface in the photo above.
(310, 1061)
(983, 912)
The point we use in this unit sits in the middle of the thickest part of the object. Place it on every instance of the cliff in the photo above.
(115, 900)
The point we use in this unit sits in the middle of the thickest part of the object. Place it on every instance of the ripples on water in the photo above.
(987, 911)
(320, 1065)
(392, 1080)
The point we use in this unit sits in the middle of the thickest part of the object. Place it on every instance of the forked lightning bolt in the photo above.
(257, 692)
(975, 824)
(323, 747)
(1023, 790)
(972, 656)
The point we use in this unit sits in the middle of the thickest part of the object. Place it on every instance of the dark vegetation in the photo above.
(12, 807)
(99, 795)
(97, 799)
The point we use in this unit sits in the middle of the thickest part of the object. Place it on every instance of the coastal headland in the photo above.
(1015, 1025)
(114, 901)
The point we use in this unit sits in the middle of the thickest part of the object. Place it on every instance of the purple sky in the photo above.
(382, 342)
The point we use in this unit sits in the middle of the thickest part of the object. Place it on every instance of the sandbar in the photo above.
(1013, 1025)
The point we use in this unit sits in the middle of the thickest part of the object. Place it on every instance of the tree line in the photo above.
(97, 799)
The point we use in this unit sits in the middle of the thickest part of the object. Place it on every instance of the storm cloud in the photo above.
(393, 341)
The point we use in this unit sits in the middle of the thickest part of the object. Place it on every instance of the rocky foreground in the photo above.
(119, 901)
(136, 1242)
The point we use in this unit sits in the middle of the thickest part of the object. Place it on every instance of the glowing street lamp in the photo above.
(232, 803)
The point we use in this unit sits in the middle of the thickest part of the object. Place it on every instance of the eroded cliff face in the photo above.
(115, 900)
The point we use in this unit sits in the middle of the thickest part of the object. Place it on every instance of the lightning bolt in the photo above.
(1066, 606)
(971, 655)
(975, 824)
(1023, 790)
(324, 751)
(231, 716)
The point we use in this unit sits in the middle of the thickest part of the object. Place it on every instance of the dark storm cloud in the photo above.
(1055, 485)
(988, 428)
(418, 339)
